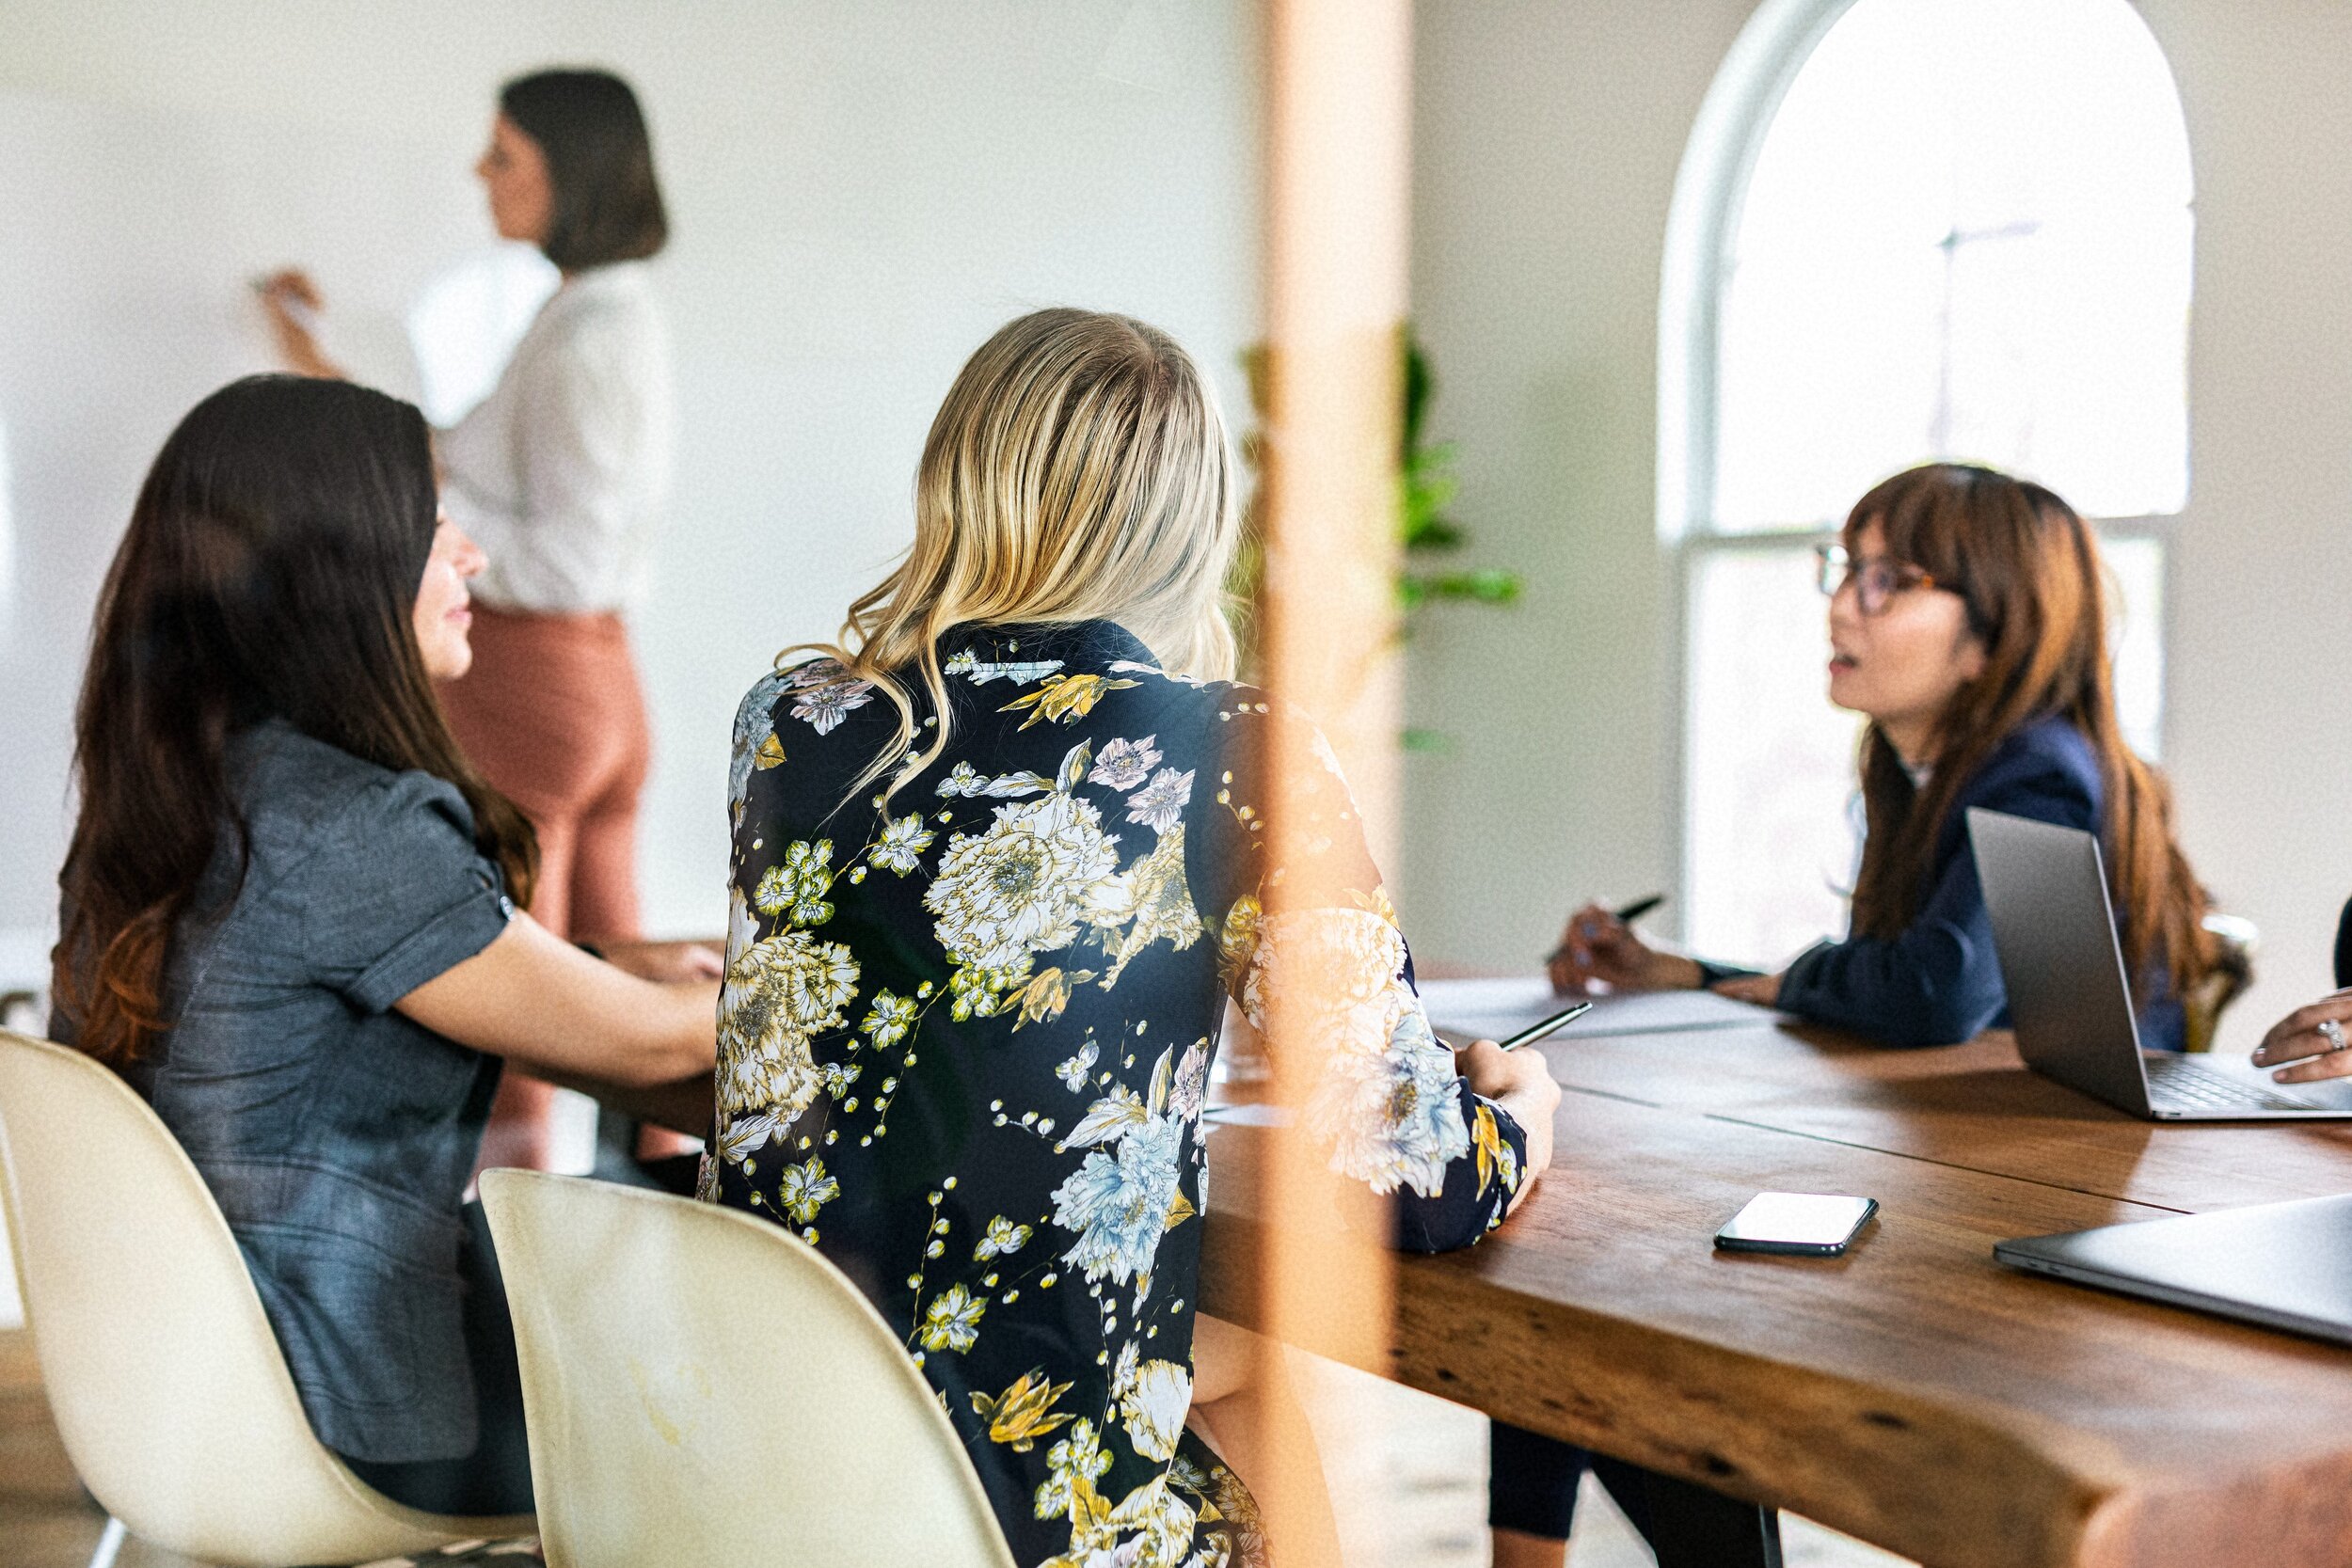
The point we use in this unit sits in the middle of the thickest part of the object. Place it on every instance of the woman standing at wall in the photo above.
(560, 474)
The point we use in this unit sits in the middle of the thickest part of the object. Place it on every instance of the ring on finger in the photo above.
(2333, 1032)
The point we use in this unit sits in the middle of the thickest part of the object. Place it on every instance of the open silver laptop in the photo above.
(2054, 931)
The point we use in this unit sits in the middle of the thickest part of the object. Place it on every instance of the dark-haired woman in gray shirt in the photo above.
(290, 915)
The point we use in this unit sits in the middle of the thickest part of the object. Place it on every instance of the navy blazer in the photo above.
(1939, 982)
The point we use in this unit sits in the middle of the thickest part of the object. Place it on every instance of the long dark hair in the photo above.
(2028, 570)
(588, 125)
(271, 570)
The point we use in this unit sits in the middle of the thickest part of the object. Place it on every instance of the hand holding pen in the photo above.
(1599, 946)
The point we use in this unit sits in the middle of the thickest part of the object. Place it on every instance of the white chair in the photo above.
(702, 1386)
(168, 1387)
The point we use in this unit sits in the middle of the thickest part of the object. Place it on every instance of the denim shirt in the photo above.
(1939, 981)
(337, 1135)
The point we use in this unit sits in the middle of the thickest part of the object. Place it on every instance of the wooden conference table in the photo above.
(1913, 1393)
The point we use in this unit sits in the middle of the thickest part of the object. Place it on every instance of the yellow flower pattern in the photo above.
(966, 1037)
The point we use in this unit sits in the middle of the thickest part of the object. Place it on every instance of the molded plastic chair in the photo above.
(167, 1386)
(702, 1386)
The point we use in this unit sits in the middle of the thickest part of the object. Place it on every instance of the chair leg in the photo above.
(109, 1544)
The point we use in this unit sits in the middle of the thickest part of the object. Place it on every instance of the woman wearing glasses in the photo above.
(1967, 622)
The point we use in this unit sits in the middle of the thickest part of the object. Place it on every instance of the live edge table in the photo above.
(1913, 1393)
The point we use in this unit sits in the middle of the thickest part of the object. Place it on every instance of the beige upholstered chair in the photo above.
(702, 1386)
(167, 1382)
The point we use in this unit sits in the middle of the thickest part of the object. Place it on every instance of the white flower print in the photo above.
(1192, 1083)
(817, 671)
(838, 1076)
(805, 1188)
(888, 1019)
(745, 1136)
(825, 707)
(775, 891)
(1331, 963)
(810, 868)
(1003, 1240)
(1108, 1120)
(1395, 1118)
(1153, 1396)
(963, 661)
(1073, 1072)
(778, 992)
(1124, 764)
(1160, 802)
(902, 840)
(1151, 899)
(962, 782)
(1077, 1462)
(1119, 1205)
(952, 1322)
(1019, 888)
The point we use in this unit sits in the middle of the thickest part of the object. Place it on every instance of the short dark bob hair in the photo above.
(607, 204)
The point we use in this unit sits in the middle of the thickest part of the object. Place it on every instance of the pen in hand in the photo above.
(1633, 912)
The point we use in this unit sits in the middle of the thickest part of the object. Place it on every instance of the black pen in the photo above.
(1634, 910)
(1537, 1031)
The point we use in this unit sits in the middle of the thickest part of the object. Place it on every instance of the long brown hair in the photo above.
(2028, 569)
(271, 570)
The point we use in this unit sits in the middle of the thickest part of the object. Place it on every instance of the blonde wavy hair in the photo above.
(1079, 470)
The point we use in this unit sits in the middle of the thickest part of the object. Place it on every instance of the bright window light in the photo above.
(1966, 234)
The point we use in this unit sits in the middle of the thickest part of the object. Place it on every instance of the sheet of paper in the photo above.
(1492, 1009)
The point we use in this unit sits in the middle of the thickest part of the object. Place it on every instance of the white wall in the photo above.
(1547, 142)
(860, 191)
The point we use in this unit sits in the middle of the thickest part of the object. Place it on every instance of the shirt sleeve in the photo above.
(580, 458)
(1387, 1105)
(1939, 981)
(398, 893)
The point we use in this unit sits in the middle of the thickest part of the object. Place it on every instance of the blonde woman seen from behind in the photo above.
(996, 879)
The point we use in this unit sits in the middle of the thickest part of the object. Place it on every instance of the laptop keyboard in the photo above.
(2181, 1084)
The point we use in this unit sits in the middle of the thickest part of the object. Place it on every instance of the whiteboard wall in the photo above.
(860, 193)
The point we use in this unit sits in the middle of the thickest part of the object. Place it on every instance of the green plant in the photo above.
(1425, 486)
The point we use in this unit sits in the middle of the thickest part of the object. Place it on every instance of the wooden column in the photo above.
(1337, 126)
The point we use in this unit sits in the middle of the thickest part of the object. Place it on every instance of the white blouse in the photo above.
(561, 473)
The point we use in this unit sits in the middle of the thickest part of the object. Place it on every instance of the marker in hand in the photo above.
(1633, 912)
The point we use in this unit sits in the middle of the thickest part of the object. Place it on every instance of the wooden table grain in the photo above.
(1914, 1392)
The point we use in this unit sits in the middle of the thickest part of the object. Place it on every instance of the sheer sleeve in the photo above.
(1386, 1102)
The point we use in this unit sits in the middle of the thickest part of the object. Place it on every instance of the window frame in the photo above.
(1703, 221)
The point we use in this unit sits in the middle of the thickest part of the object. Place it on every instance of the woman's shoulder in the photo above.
(297, 792)
(2048, 759)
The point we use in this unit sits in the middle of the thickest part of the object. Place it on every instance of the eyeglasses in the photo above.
(1876, 580)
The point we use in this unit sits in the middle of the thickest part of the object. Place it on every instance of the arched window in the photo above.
(1905, 230)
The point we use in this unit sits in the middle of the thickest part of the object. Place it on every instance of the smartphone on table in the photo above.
(1803, 1224)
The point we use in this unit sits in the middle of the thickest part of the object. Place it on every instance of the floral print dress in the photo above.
(965, 1037)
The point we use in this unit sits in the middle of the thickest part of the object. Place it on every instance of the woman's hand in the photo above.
(668, 963)
(1598, 947)
(2299, 1038)
(293, 301)
(1762, 989)
(1522, 1082)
